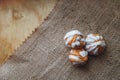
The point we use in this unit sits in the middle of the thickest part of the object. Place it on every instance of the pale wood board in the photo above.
(42, 56)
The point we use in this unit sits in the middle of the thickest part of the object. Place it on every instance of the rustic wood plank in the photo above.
(42, 56)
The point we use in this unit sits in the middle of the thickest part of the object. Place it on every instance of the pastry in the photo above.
(74, 39)
(95, 44)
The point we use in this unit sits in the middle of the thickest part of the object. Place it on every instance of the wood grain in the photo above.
(42, 56)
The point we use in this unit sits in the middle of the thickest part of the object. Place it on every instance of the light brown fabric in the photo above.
(44, 56)
(18, 19)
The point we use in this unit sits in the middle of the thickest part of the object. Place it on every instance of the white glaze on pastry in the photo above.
(74, 39)
(95, 44)
(77, 56)
(72, 33)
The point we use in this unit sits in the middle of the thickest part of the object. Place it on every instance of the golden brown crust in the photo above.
(76, 52)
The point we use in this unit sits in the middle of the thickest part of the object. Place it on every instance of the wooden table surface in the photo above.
(44, 56)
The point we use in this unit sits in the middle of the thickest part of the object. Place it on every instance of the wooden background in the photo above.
(44, 57)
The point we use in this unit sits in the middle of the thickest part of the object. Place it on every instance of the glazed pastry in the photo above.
(95, 44)
(74, 39)
(78, 56)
